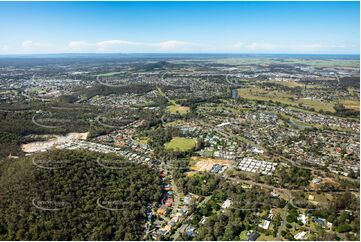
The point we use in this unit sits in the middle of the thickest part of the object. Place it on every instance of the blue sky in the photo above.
(180, 27)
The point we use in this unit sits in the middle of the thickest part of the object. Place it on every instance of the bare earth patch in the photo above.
(206, 164)
(38, 146)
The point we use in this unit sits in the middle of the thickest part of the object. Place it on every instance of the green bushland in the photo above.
(76, 186)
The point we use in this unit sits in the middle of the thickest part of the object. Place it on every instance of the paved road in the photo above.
(283, 222)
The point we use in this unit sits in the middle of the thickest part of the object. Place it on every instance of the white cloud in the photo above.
(317, 47)
(173, 45)
(109, 45)
(5, 48)
(308, 47)
(123, 45)
(106, 45)
(81, 46)
(238, 45)
(29, 45)
(260, 46)
(117, 45)
(251, 47)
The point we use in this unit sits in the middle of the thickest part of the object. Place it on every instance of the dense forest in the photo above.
(17, 127)
(9, 144)
(75, 195)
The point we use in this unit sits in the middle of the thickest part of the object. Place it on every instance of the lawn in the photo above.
(243, 236)
(317, 105)
(351, 104)
(109, 74)
(321, 199)
(287, 83)
(143, 140)
(178, 109)
(181, 144)
(175, 123)
(292, 84)
(261, 94)
(287, 98)
(267, 61)
(264, 237)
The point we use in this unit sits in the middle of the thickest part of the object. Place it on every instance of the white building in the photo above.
(265, 224)
(302, 218)
(226, 204)
(301, 235)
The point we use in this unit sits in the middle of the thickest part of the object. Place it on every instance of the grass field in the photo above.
(181, 144)
(292, 84)
(287, 83)
(143, 140)
(317, 105)
(290, 61)
(320, 199)
(220, 108)
(109, 74)
(264, 237)
(243, 236)
(178, 109)
(175, 123)
(351, 104)
(260, 94)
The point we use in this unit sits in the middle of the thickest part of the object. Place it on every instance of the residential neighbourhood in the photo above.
(238, 157)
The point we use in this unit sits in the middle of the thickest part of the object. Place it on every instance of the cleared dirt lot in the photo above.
(206, 164)
(54, 140)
